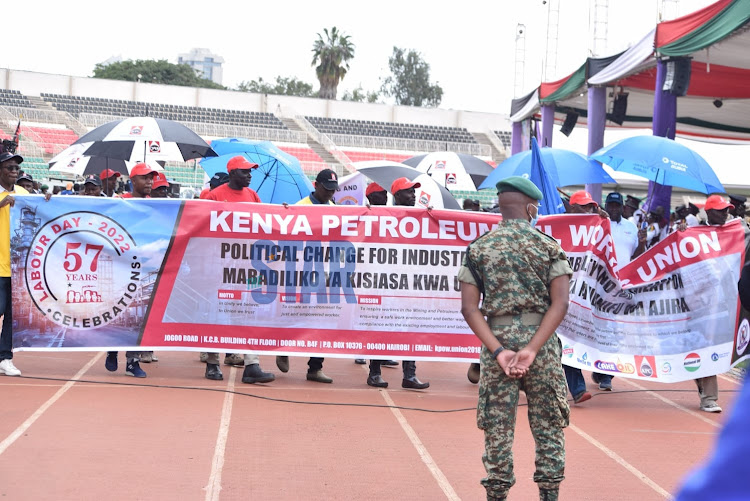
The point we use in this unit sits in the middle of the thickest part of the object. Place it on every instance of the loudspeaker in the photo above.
(619, 108)
(570, 121)
(677, 79)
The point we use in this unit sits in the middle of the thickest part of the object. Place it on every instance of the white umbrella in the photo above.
(455, 171)
(429, 194)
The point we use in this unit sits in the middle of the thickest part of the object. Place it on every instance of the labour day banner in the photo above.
(350, 281)
(99, 274)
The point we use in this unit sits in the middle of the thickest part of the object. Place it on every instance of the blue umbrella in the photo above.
(566, 168)
(661, 160)
(551, 203)
(278, 178)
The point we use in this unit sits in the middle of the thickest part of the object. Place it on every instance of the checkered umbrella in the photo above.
(145, 139)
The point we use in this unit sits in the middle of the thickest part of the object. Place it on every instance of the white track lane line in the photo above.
(695, 414)
(437, 474)
(10, 439)
(217, 463)
(619, 460)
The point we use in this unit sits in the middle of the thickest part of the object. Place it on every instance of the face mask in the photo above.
(534, 219)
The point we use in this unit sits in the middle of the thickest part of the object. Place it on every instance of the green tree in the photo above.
(285, 86)
(409, 82)
(332, 57)
(359, 95)
(152, 71)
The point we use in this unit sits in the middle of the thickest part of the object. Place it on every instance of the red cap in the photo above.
(107, 173)
(159, 180)
(403, 183)
(717, 202)
(372, 188)
(582, 198)
(240, 162)
(141, 169)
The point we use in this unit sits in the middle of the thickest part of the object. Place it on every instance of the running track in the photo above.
(80, 440)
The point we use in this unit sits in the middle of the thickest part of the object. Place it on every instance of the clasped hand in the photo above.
(516, 364)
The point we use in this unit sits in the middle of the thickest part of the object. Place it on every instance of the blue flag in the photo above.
(552, 203)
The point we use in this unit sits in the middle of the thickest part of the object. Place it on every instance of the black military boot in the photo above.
(548, 494)
(254, 374)
(213, 372)
(410, 380)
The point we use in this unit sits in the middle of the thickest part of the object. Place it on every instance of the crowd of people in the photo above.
(504, 300)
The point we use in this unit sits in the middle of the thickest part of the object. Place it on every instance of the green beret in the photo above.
(521, 185)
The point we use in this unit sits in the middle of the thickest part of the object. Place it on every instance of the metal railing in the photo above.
(29, 146)
(37, 115)
(326, 142)
(416, 145)
(496, 141)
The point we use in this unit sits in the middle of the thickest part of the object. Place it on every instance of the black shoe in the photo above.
(254, 374)
(213, 372)
(414, 384)
(360, 361)
(389, 363)
(473, 373)
(377, 381)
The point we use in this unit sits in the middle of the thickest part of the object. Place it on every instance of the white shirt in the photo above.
(625, 239)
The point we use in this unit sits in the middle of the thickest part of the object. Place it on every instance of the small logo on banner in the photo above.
(154, 147)
(584, 359)
(136, 130)
(743, 337)
(692, 362)
(567, 351)
(450, 178)
(424, 199)
(666, 368)
(645, 366)
(440, 164)
(624, 368)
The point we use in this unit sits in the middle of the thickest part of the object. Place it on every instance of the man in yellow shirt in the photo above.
(326, 184)
(9, 163)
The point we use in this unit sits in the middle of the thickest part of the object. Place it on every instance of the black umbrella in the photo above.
(145, 138)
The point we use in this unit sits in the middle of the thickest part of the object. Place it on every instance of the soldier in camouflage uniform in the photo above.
(524, 276)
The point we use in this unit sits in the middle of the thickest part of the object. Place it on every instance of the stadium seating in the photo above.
(53, 140)
(302, 153)
(487, 198)
(387, 129)
(361, 156)
(504, 136)
(14, 98)
(117, 107)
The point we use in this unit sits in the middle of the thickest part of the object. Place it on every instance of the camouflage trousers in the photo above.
(548, 411)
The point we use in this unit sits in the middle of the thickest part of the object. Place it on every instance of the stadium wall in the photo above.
(33, 84)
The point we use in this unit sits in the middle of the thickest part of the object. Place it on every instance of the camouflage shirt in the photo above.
(516, 264)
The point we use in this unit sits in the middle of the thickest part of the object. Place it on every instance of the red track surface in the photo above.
(85, 441)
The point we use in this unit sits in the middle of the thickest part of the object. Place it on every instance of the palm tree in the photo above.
(332, 57)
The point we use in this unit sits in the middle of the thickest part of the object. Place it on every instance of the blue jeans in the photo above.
(576, 383)
(6, 307)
